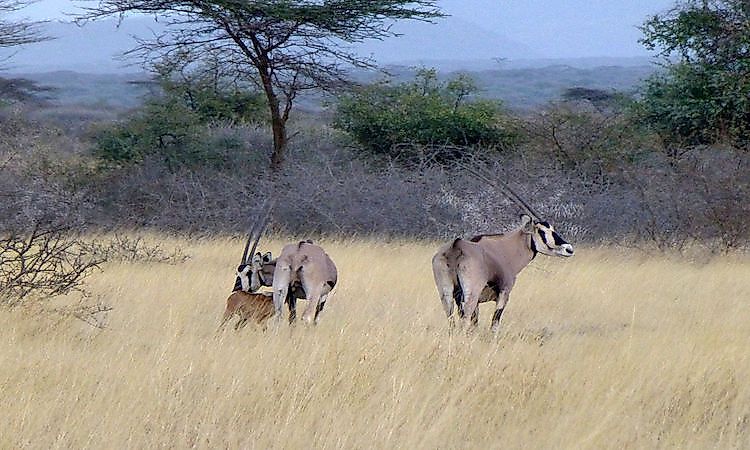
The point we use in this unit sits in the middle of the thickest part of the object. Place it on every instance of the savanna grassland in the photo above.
(609, 349)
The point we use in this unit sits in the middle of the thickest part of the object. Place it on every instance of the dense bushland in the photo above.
(704, 97)
(589, 171)
(660, 168)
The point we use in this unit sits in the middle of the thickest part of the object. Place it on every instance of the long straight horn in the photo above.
(510, 193)
(261, 229)
(247, 247)
(256, 231)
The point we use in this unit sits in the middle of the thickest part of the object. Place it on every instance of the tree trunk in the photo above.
(278, 121)
(278, 125)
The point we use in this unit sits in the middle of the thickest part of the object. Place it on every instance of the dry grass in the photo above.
(605, 350)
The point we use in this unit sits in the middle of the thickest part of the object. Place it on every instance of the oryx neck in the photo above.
(515, 245)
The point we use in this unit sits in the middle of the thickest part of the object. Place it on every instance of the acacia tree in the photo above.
(286, 46)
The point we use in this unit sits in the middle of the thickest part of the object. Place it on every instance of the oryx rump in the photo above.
(303, 271)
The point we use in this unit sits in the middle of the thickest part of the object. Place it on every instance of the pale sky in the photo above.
(570, 28)
(547, 28)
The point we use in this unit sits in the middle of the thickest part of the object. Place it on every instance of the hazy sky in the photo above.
(548, 28)
(569, 28)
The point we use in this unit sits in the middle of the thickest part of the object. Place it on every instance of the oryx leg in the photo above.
(471, 294)
(227, 315)
(292, 304)
(448, 290)
(319, 308)
(241, 323)
(458, 299)
(314, 297)
(321, 305)
(500, 303)
(281, 278)
(475, 317)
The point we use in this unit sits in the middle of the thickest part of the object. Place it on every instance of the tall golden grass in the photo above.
(608, 349)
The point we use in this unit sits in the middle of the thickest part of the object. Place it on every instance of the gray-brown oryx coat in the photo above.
(303, 270)
(306, 272)
(484, 268)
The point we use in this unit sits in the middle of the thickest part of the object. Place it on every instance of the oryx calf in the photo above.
(484, 268)
(247, 305)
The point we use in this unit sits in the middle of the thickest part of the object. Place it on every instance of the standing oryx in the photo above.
(484, 268)
(305, 271)
(302, 271)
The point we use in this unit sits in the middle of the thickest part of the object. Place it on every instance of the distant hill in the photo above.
(482, 64)
(447, 40)
(529, 87)
(83, 64)
(526, 87)
(518, 88)
(119, 91)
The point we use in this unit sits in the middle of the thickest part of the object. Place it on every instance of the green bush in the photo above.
(595, 143)
(401, 120)
(210, 101)
(704, 96)
(174, 126)
(696, 105)
(163, 127)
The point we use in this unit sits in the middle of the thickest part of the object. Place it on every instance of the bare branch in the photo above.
(43, 262)
(18, 32)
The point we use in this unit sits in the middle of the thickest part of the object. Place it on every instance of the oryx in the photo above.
(305, 271)
(254, 273)
(302, 271)
(484, 268)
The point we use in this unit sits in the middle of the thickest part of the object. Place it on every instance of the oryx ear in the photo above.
(267, 258)
(527, 224)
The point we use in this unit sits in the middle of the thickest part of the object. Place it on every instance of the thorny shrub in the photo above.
(45, 262)
(136, 249)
